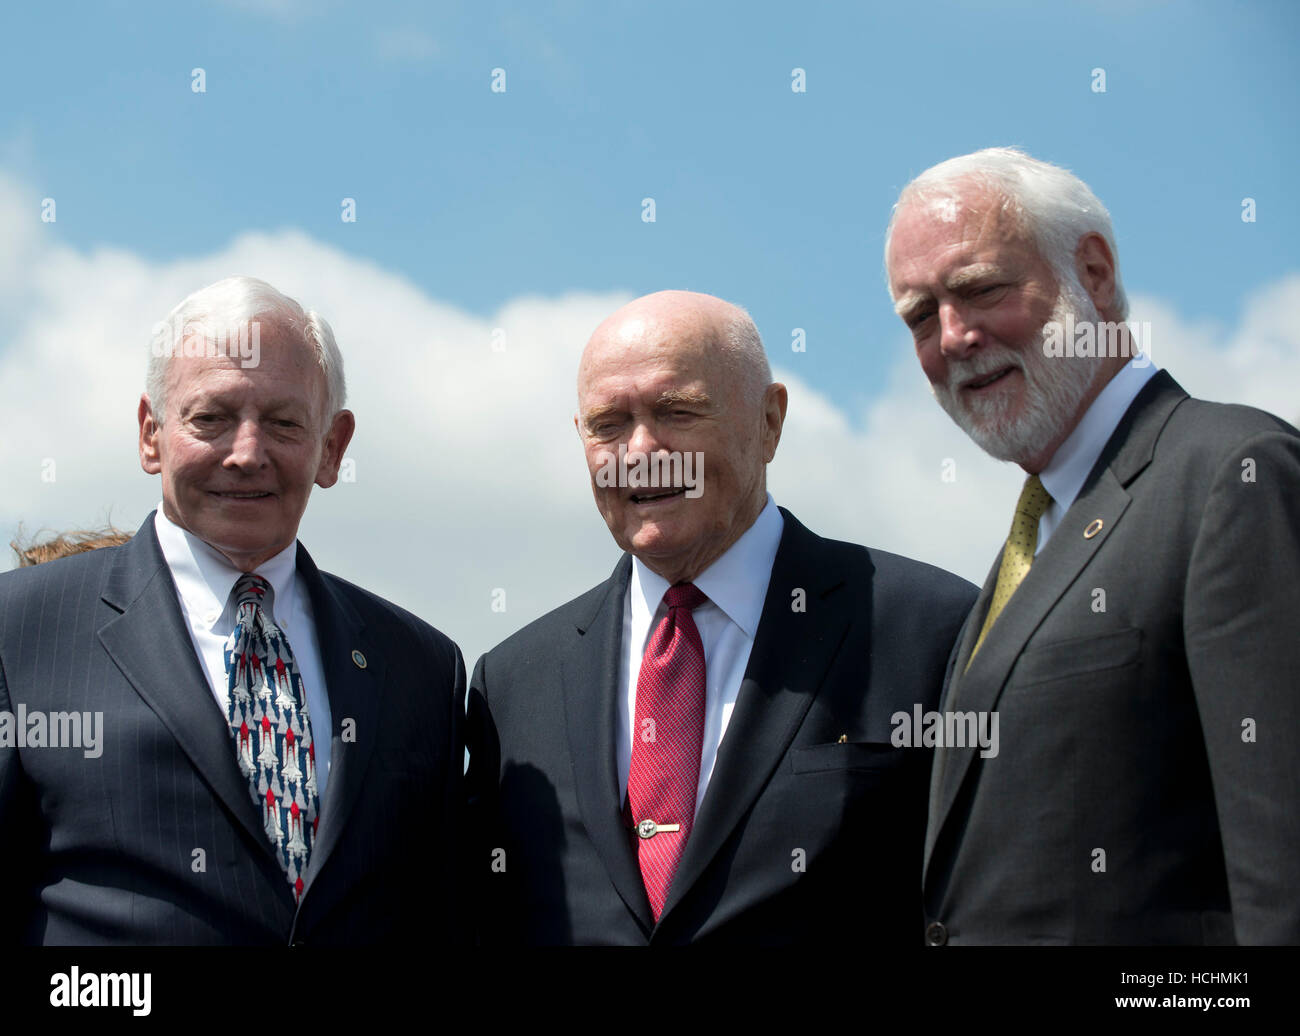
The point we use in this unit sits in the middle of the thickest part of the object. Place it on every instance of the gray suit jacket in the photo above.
(1147, 682)
(103, 849)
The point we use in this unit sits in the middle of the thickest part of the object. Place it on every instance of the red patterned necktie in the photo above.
(664, 775)
(271, 726)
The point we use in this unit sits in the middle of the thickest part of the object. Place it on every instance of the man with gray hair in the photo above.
(1137, 633)
(276, 753)
(699, 749)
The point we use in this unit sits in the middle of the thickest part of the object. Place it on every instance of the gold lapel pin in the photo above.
(1093, 528)
(844, 739)
(359, 659)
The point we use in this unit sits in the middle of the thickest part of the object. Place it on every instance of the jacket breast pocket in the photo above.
(872, 756)
(1076, 656)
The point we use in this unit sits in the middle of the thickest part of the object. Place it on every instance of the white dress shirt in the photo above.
(1073, 460)
(204, 580)
(736, 587)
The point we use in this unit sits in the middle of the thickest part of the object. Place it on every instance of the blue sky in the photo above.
(768, 197)
(522, 210)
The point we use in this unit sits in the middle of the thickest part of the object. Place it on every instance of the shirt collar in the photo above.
(1068, 469)
(736, 582)
(204, 577)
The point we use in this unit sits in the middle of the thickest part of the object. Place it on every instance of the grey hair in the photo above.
(1053, 206)
(220, 313)
(744, 346)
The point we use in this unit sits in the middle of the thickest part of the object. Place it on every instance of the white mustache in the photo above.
(962, 371)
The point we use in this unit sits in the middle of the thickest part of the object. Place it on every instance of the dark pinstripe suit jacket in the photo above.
(156, 839)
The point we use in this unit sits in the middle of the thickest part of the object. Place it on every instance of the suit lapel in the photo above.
(149, 643)
(957, 661)
(353, 694)
(1054, 570)
(788, 663)
(970, 630)
(590, 676)
(1104, 497)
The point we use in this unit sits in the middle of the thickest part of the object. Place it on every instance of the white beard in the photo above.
(1054, 388)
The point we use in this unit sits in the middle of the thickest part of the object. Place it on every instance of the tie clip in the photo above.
(648, 828)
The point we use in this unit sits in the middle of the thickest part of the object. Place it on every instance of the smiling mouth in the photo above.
(657, 495)
(988, 379)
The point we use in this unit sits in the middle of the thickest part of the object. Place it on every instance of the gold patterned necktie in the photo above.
(1018, 555)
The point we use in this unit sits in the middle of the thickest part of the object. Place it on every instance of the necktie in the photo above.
(1018, 555)
(664, 775)
(269, 722)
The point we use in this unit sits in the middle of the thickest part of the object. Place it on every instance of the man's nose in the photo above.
(957, 336)
(645, 438)
(247, 451)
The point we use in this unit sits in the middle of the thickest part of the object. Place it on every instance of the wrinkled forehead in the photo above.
(257, 356)
(952, 223)
(961, 203)
(643, 345)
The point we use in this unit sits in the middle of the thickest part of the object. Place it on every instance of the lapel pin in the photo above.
(844, 739)
(1093, 528)
(359, 659)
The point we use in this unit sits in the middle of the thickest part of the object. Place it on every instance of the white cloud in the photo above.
(469, 475)
(1256, 362)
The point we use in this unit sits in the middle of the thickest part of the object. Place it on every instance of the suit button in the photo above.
(936, 934)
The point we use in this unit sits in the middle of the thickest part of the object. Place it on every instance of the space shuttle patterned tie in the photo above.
(269, 721)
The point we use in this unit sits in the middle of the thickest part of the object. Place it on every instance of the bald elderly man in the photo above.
(699, 748)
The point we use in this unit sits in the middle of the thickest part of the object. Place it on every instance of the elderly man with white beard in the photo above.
(1137, 634)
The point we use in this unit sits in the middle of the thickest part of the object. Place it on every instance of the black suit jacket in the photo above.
(811, 827)
(1146, 675)
(157, 839)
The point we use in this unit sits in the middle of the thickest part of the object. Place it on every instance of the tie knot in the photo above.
(684, 595)
(1034, 499)
(252, 589)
